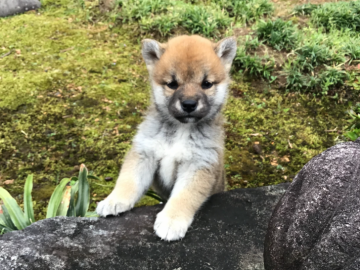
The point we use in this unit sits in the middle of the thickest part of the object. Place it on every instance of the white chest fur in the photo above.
(183, 145)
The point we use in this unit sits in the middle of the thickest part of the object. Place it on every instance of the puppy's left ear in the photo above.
(151, 52)
(226, 50)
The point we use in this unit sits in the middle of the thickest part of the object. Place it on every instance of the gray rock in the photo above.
(227, 233)
(316, 224)
(11, 7)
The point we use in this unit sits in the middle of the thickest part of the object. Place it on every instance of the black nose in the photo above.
(189, 105)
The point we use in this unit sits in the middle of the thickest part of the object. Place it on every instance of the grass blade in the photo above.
(13, 209)
(83, 200)
(28, 204)
(56, 198)
(71, 211)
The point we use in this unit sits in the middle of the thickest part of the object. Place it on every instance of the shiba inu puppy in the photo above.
(179, 146)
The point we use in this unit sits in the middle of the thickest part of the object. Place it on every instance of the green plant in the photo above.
(246, 11)
(295, 81)
(252, 43)
(352, 50)
(162, 24)
(70, 198)
(305, 9)
(205, 20)
(139, 9)
(331, 78)
(278, 34)
(313, 55)
(340, 15)
(254, 65)
(353, 130)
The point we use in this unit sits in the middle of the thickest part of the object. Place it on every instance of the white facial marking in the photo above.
(178, 105)
(221, 93)
(200, 105)
(159, 95)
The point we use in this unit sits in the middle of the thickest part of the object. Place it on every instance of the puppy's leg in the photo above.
(135, 178)
(190, 192)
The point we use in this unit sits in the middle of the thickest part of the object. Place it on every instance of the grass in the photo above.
(341, 15)
(278, 34)
(246, 11)
(305, 9)
(353, 130)
(253, 65)
(73, 89)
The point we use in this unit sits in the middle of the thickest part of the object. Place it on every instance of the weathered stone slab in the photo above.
(11, 7)
(316, 224)
(228, 233)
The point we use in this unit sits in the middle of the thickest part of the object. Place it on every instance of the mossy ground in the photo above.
(73, 89)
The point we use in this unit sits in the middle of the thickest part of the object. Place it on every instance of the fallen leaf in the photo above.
(285, 158)
(255, 134)
(9, 182)
(274, 162)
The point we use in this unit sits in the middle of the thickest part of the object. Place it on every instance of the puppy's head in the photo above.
(189, 75)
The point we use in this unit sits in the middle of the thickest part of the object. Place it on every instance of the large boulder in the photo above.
(11, 7)
(316, 224)
(228, 233)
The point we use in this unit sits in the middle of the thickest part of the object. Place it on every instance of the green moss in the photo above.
(270, 136)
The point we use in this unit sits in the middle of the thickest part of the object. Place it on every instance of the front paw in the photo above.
(171, 227)
(112, 205)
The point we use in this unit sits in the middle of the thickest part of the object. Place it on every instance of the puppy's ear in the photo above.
(151, 52)
(226, 50)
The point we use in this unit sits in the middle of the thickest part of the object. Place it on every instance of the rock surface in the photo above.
(316, 224)
(228, 233)
(11, 7)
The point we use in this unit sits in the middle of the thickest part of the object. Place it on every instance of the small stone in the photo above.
(257, 148)
(108, 178)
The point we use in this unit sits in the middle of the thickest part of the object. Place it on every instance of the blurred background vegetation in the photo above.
(73, 86)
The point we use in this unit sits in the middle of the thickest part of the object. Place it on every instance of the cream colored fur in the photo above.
(182, 161)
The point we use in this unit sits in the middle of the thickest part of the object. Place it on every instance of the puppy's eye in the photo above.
(173, 85)
(206, 85)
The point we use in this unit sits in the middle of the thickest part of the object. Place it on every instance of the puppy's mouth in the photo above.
(187, 119)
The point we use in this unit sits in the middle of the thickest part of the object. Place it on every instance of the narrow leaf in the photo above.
(28, 204)
(91, 214)
(6, 221)
(155, 196)
(65, 202)
(93, 177)
(16, 214)
(83, 200)
(56, 198)
(71, 210)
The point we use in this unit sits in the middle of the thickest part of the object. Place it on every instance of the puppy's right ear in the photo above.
(151, 52)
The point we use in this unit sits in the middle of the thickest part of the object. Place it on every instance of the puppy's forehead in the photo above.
(190, 58)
